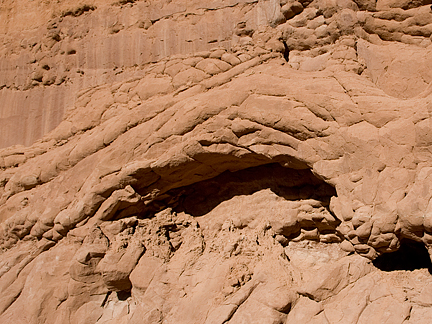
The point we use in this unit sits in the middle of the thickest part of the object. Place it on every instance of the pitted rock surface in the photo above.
(216, 162)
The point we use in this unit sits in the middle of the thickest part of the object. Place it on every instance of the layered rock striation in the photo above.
(229, 162)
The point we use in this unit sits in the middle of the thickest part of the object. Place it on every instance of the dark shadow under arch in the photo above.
(200, 198)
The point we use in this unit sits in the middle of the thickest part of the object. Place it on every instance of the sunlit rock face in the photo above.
(215, 162)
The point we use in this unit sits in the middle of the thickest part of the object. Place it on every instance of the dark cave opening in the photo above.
(411, 256)
(123, 294)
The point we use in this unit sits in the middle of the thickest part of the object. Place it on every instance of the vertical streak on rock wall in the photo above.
(19, 124)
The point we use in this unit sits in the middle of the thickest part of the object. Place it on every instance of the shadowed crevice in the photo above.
(286, 52)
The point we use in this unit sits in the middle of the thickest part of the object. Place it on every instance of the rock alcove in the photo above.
(294, 202)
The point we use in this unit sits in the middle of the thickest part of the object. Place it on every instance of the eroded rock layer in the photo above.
(226, 162)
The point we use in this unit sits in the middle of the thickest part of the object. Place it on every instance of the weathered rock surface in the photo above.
(216, 162)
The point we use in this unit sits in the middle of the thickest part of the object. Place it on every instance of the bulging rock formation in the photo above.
(253, 161)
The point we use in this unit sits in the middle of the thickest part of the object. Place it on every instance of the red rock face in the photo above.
(217, 162)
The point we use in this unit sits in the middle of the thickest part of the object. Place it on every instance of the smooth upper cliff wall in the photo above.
(50, 50)
(27, 116)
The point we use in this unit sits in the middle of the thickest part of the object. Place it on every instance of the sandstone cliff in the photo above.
(216, 161)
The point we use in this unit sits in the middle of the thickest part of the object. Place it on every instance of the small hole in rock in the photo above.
(411, 255)
(123, 295)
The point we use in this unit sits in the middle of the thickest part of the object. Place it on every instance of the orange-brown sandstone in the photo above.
(255, 161)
